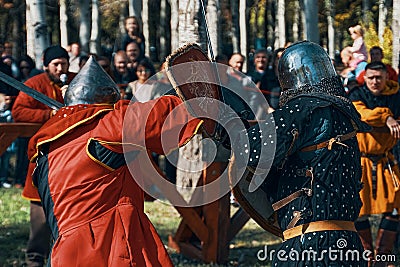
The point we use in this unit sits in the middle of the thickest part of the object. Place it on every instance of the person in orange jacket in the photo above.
(377, 102)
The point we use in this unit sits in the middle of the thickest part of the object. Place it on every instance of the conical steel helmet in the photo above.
(92, 85)
(304, 64)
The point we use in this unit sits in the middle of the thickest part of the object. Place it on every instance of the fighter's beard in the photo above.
(55, 79)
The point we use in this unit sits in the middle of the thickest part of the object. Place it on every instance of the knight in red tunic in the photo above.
(92, 203)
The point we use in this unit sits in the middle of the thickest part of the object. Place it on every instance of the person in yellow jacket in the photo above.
(378, 103)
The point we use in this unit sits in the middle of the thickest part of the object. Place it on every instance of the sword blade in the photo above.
(53, 104)
(203, 11)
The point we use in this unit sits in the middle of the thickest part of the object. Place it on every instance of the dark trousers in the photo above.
(39, 237)
(22, 160)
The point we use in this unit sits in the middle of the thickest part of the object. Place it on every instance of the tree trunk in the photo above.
(163, 30)
(135, 8)
(213, 25)
(331, 32)
(41, 35)
(296, 21)
(396, 35)
(303, 20)
(188, 28)
(190, 162)
(311, 13)
(174, 24)
(30, 33)
(146, 30)
(381, 20)
(121, 23)
(235, 26)
(280, 16)
(84, 29)
(270, 21)
(64, 23)
(94, 45)
(18, 22)
(243, 30)
(365, 11)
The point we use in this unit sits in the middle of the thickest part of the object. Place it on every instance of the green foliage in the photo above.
(370, 36)
(111, 11)
(387, 45)
(371, 39)
(13, 208)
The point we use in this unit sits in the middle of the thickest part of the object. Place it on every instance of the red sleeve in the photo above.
(30, 191)
(360, 78)
(27, 109)
(159, 125)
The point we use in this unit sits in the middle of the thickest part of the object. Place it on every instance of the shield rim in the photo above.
(169, 64)
(270, 224)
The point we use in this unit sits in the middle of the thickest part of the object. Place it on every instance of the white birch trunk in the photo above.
(381, 20)
(163, 32)
(331, 31)
(296, 21)
(235, 26)
(94, 44)
(174, 24)
(30, 33)
(63, 23)
(190, 162)
(188, 27)
(280, 16)
(396, 35)
(41, 36)
(243, 29)
(213, 25)
(146, 31)
(84, 29)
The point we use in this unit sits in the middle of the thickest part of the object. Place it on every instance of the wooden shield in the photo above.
(255, 203)
(194, 76)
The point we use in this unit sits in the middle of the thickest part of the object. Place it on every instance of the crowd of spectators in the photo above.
(131, 70)
(128, 54)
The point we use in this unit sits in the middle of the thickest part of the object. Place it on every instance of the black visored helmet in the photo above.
(306, 68)
(304, 63)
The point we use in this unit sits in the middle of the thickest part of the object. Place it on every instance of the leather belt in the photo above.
(329, 225)
(334, 140)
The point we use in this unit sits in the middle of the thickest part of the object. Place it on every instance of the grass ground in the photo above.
(14, 232)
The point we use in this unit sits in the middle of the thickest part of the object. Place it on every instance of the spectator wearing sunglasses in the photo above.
(27, 68)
